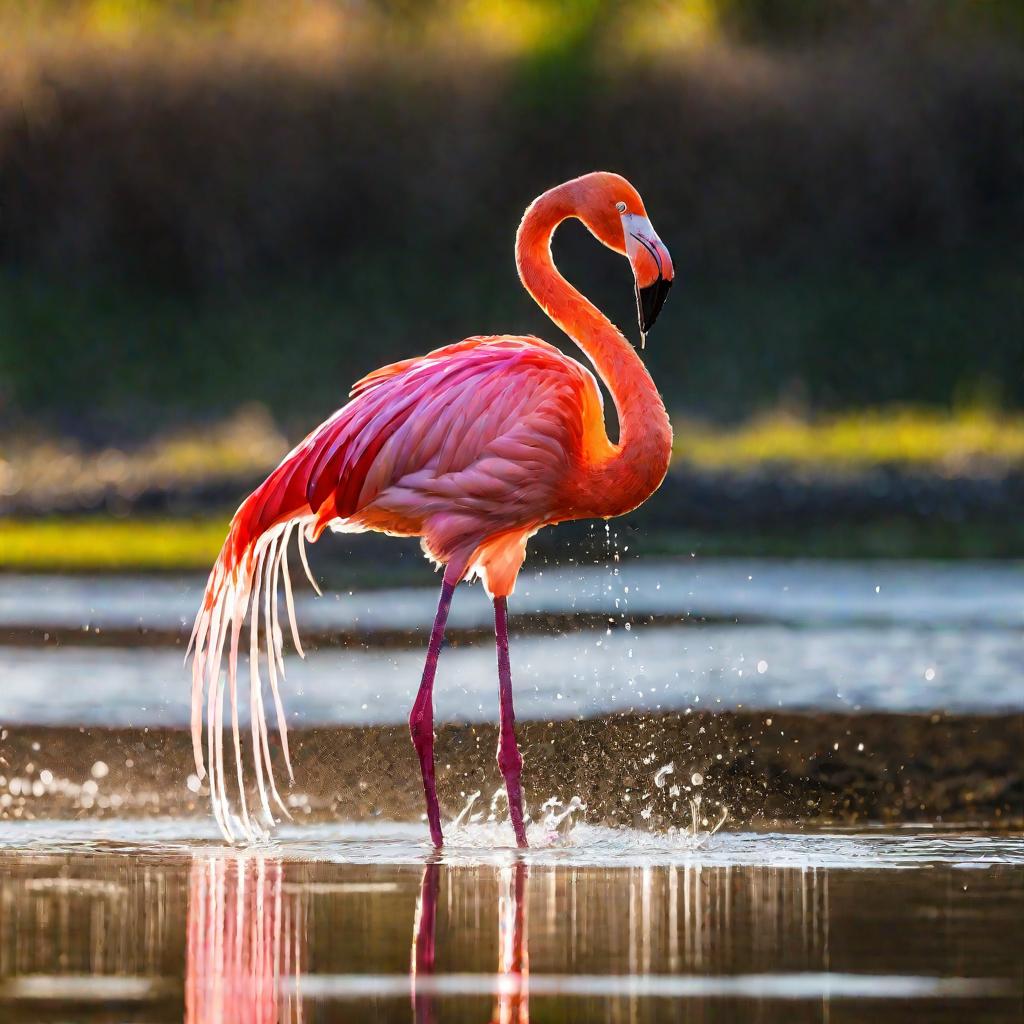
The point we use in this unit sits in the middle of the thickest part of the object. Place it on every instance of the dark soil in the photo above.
(767, 769)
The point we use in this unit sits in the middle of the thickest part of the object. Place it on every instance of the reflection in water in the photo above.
(244, 937)
(512, 998)
(423, 940)
(246, 934)
(513, 1004)
(219, 937)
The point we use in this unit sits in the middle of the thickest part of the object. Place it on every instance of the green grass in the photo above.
(169, 545)
(110, 545)
(967, 439)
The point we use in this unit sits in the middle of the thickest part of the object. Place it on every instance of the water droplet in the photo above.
(99, 770)
(697, 779)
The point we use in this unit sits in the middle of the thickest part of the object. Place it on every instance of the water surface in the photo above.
(938, 594)
(754, 634)
(123, 921)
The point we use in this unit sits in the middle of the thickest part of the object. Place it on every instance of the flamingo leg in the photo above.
(421, 719)
(510, 760)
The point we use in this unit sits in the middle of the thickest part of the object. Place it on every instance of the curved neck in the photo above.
(639, 461)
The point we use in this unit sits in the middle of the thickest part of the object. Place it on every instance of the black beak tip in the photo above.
(649, 301)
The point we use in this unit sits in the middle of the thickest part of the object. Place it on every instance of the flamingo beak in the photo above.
(649, 301)
(652, 269)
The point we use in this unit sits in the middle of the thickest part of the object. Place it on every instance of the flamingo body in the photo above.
(473, 448)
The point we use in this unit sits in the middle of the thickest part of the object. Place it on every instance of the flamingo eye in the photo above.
(621, 207)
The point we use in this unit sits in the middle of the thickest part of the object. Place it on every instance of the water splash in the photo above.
(560, 818)
(463, 815)
(697, 832)
(554, 825)
(700, 833)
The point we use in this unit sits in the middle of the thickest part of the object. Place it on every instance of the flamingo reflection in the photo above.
(512, 999)
(243, 939)
(247, 930)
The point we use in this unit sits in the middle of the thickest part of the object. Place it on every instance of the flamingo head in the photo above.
(614, 213)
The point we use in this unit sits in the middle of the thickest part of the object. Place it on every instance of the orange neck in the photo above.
(633, 469)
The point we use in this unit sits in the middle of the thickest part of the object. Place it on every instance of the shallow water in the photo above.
(796, 635)
(157, 921)
(937, 594)
(560, 676)
(590, 846)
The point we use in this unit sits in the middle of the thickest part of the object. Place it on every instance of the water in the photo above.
(934, 594)
(800, 635)
(158, 922)
(560, 676)
(119, 901)
(584, 846)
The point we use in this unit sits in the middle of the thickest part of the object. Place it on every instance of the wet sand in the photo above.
(764, 768)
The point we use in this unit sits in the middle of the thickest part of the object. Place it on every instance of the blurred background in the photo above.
(216, 214)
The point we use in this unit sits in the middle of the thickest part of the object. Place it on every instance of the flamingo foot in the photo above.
(510, 761)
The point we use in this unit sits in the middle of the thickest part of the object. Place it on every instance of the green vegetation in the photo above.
(70, 545)
(53, 474)
(519, 24)
(214, 205)
(967, 441)
(115, 361)
(92, 544)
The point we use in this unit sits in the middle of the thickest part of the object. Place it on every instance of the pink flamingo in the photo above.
(473, 447)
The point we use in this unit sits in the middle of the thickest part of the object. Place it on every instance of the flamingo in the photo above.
(473, 448)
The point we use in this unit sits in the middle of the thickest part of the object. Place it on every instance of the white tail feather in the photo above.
(249, 588)
(282, 725)
(305, 560)
(260, 751)
(289, 599)
(274, 626)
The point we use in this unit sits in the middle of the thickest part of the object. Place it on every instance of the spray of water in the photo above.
(699, 830)
(553, 825)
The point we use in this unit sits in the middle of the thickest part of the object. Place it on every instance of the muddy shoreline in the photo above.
(765, 768)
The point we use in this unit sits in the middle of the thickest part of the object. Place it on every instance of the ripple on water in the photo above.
(483, 843)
